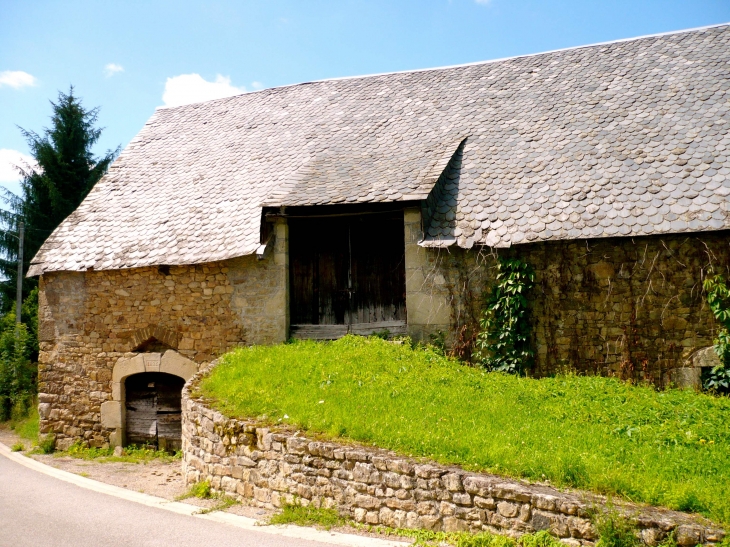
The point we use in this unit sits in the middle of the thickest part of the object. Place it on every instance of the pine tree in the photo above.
(65, 173)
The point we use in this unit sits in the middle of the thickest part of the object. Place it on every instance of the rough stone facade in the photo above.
(632, 307)
(89, 321)
(268, 468)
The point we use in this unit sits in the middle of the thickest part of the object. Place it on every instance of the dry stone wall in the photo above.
(267, 468)
(632, 307)
(89, 321)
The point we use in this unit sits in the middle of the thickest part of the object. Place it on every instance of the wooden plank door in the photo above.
(347, 274)
(153, 410)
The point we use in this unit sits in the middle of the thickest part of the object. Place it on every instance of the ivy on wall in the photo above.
(718, 298)
(503, 342)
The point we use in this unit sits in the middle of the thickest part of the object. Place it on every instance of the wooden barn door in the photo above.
(153, 406)
(347, 274)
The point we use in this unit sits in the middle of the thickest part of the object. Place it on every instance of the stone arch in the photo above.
(170, 362)
(153, 332)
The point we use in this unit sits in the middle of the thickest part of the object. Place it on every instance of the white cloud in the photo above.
(8, 160)
(112, 68)
(192, 88)
(257, 85)
(17, 79)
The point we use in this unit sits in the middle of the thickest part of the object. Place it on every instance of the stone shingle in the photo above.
(627, 138)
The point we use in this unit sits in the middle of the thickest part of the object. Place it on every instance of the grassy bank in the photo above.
(27, 426)
(667, 448)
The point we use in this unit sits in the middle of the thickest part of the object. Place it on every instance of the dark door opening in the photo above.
(347, 274)
(153, 407)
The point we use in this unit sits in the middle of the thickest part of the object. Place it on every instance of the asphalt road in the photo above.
(37, 510)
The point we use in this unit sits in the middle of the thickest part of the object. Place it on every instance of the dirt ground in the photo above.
(158, 478)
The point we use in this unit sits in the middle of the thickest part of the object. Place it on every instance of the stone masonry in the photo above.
(89, 321)
(626, 306)
(267, 468)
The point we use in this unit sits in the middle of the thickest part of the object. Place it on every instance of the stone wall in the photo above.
(267, 468)
(627, 306)
(90, 321)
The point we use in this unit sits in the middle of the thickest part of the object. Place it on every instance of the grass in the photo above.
(131, 454)
(485, 539)
(299, 515)
(296, 513)
(27, 426)
(202, 490)
(669, 448)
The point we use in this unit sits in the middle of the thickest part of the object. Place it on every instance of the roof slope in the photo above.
(627, 138)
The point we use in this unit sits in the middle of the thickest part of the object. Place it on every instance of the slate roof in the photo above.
(621, 139)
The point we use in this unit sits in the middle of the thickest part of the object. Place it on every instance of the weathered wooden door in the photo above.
(153, 407)
(347, 274)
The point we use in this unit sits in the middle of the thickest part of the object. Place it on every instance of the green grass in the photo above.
(27, 426)
(131, 454)
(484, 539)
(668, 448)
(300, 515)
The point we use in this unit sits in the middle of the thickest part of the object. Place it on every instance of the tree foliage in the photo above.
(504, 340)
(65, 173)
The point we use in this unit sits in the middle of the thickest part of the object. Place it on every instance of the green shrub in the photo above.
(17, 447)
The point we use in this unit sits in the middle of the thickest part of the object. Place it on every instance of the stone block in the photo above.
(111, 414)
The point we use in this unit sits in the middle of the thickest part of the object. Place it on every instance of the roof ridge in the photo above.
(460, 65)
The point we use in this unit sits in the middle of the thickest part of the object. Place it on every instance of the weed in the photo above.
(47, 444)
(17, 447)
(615, 530)
(671, 541)
(309, 515)
(224, 502)
(203, 491)
(586, 432)
(198, 490)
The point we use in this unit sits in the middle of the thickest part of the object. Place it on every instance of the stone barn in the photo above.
(381, 203)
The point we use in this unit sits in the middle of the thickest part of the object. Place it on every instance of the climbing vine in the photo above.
(503, 342)
(718, 298)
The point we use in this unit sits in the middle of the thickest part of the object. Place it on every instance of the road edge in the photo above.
(246, 523)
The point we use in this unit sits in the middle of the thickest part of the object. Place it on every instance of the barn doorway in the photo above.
(153, 410)
(347, 274)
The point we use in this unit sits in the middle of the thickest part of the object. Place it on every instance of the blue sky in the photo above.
(131, 57)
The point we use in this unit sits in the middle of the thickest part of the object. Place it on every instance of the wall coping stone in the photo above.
(267, 466)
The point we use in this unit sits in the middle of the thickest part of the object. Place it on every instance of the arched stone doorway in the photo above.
(114, 412)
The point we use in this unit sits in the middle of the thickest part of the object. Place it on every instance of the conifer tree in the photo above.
(65, 173)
